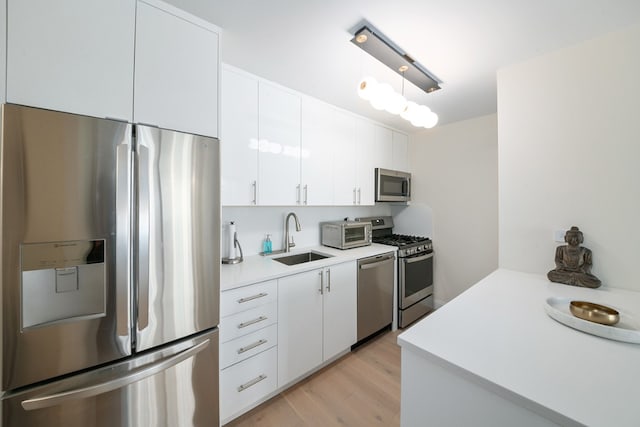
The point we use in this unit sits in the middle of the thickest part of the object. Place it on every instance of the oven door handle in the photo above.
(418, 258)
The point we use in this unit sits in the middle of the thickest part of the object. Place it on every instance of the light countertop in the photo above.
(498, 334)
(258, 268)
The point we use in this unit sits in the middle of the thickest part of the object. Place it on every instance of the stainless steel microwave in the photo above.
(345, 234)
(392, 186)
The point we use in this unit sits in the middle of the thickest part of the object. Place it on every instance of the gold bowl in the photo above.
(594, 312)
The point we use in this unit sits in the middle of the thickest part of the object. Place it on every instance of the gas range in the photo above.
(407, 245)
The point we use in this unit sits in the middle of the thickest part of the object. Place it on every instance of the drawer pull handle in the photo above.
(251, 298)
(251, 346)
(251, 322)
(251, 383)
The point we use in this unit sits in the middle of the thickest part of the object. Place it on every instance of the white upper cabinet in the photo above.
(383, 147)
(279, 145)
(346, 159)
(280, 148)
(367, 160)
(239, 139)
(260, 142)
(317, 154)
(176, 70)
(400, 152)
(73, 55)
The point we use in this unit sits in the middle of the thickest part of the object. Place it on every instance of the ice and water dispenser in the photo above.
(62, 281)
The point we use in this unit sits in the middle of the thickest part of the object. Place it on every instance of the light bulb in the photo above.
(367, 87)
(431, 120)
(380, 97)
(409, 111)
(396, 104)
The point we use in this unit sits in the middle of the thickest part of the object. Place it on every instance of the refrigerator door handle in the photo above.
(113, 384)
(123, 233)
(143, 231)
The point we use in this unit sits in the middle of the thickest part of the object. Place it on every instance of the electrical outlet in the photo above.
(558, 235)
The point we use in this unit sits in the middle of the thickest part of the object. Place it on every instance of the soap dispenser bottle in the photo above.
(267, 246)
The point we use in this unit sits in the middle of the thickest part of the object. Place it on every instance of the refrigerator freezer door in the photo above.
(65, 242)
(173, 386)
(177, 263)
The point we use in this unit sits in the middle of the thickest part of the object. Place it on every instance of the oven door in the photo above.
(416, 279)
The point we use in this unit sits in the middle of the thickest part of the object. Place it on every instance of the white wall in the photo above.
(253, 224)
(454, 171)
(569, 153)
(3, 50)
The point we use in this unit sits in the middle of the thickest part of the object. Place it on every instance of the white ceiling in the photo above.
(305, 44)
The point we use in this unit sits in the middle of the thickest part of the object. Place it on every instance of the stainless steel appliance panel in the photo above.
(375, 293)
(415, 312)
(416, 279)
(60, 177)
(392, 185)
(177, 242)
(345, 234)
(174, 386)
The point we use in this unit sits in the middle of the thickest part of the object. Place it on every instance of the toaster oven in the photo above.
(345, 234)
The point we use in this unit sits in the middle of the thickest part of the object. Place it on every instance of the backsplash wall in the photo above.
(255, 222)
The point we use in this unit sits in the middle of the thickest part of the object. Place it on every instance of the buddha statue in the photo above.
(573, 262)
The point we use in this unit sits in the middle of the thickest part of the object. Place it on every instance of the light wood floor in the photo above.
(360, 389)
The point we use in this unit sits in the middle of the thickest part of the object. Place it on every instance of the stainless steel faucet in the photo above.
(288, 240)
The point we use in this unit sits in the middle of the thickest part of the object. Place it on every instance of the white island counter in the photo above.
(493, 357)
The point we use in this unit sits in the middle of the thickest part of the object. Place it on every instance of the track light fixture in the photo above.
(381, 95)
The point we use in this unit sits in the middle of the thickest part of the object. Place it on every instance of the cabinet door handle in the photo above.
(251, 322)
(321, 282)
(306, 193)
(359, 196)
(251, 298)
(251, 383)
(255, 193)
(251, 346)
(354, 195)
(328, 280)
(298, 194)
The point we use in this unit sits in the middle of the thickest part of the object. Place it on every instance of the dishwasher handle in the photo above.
(387, 260)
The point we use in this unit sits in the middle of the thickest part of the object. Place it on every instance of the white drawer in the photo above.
(247, 382)
(249, 345)
(248, 321)
(248, 297)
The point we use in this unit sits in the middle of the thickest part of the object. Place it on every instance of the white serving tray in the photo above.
(626, 330)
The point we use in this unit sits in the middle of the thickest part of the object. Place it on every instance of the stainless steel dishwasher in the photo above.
(375, 293)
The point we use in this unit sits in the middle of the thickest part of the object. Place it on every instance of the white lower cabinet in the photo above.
(248, 321)
(316, 318)
(273, 333)
(300, 331)
(248, 346)
(247, 382)
(339, 320)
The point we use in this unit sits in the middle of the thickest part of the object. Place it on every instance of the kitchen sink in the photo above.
(301, 258)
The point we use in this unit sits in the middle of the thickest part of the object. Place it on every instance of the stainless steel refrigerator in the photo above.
(109, 274)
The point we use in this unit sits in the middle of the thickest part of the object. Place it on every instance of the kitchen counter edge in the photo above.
(508, 307)
(259, 268)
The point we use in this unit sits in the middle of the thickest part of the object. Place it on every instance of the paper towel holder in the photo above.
(236, 244)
